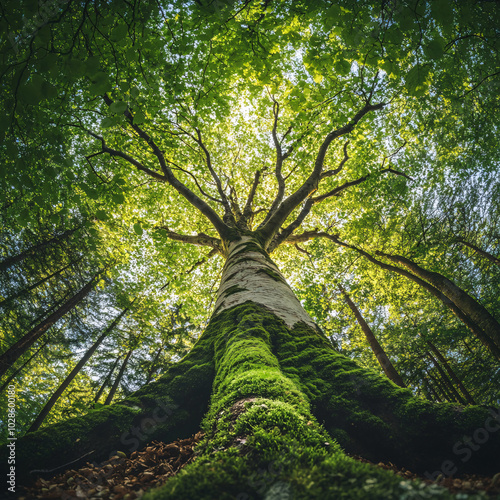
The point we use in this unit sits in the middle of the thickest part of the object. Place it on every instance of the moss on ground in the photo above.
(169, 408)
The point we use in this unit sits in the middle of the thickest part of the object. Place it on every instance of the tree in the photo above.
(377, 349)
(230, 127)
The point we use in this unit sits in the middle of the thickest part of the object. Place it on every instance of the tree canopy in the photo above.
(136, 136)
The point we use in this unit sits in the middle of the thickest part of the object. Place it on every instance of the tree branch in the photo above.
(269, 229)
(130, 159)
(247, 211)
(336, 191)
(201, 239)
(278, 165)
(181, 188)
(330, 173)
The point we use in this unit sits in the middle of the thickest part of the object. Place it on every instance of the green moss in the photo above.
(232, 290)
(166, 409)
(261, 437)
(279, 397)
(371, 416)
(273, 275)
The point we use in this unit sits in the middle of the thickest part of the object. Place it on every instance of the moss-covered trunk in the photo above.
(283, 404)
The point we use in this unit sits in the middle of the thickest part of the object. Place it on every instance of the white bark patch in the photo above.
(250, 276)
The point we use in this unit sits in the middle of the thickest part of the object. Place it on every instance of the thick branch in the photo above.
(201, 239)
(181, 188)
(247, 211)
(278, 166)
(311, 184)
(330, 173)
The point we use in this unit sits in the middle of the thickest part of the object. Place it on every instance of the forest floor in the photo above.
(128, 478)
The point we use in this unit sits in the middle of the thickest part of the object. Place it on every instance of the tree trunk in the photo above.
(15, 259)
(271, 368)
(8, 358)
(106, 380)
(459, 297)
(377, 349)
(480, 252)
(23, 292)
(485, 339)
(446, 381)
(451, 372)
(21, 368)
(153, 364)
(76, 370)
(445, 396)
(112, 392)
(434, 395)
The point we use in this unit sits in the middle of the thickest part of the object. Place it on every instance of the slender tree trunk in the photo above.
(451, 372)
(374, 344)
(480, 252)
(118, 378)
(432, 392)
(153, 364)
(459, 297)
(23, 292)
(15, 259)
(445, 396)
(106, 380)
(447, 381)
(21, 368)
(76, 370)
(484, 337)
(23, 344)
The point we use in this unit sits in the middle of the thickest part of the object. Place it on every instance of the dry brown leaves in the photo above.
(467, 483)
(119, 477)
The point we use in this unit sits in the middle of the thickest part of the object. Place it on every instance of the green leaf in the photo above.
(102, 215)
(434, 49)
(118, 198)
(107, 122)
(318, 77)
(342, 67)
(118, 107)
(139, 117)
(442, 11)
(138, 228)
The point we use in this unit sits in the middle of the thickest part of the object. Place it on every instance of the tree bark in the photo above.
(374, 344)
(432, 392)
(483, 336)
(451, 372)
(76, 370)
(460, 298)
(15, 259)
(445, 396)
(447, 381)
(26, 363)
(23, 292)
(118, 379)
(23, 344)
(479, 251)
(106, 380)
(153, 364)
